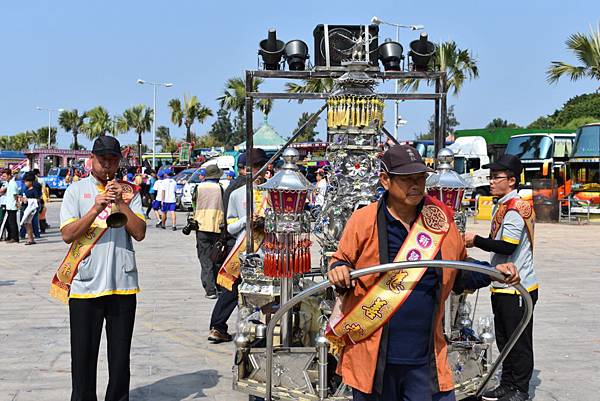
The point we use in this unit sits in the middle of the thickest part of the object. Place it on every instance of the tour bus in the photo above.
(584, 167)
(544, 156)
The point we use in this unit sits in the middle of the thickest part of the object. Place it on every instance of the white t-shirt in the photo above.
(157, 187)
(168, 186)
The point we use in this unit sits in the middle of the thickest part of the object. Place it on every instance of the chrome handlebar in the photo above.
(490, 271)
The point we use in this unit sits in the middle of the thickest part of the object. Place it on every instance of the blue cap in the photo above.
(202, 172)
(231, 173)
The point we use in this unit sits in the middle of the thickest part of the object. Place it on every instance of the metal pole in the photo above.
(436, 123)
(49, 118)
(397, 113)
(490, 271)
(249, 162)
(153, 133)
(444, 111)
(287, 292)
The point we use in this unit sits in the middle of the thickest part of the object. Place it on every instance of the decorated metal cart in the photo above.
(285, 300)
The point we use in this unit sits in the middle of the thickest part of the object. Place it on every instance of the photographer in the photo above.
(209, 215)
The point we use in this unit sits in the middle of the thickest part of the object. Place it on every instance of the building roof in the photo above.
(265, 138)
(11, 154)
(500, 136)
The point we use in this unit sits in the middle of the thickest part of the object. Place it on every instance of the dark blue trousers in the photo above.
(405, 383)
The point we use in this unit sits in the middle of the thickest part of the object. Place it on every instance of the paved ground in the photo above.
(171, 360)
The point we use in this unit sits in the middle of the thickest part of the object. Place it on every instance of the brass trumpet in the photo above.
(116, 219)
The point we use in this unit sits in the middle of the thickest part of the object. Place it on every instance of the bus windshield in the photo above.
(530, 147)
(587, 143)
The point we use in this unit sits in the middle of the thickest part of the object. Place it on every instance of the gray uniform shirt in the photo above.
(513, 230)
(110, 268)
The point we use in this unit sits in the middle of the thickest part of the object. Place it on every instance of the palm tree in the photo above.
(587, 51)
(234, 97)
(71, 121)
(315, 85)
(191, 112)
(164, 140)
(139, 119)
(97, 122)
(40, 137)
(458, 64)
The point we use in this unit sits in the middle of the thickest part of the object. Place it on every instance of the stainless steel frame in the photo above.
(493, 273)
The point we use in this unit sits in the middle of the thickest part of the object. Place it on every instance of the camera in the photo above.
(191, 225)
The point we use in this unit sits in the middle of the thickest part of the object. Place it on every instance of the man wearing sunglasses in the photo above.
(510, 240)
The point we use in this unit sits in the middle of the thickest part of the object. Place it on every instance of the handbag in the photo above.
(218, 252)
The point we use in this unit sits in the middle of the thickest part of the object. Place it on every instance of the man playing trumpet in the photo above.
(98, 277)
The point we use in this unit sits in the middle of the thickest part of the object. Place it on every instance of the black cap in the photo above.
(106, 145)
(403, 160)
(506, 162)
(259, 156)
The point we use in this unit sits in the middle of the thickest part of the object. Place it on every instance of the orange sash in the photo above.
(230, 270)
(81, 248)
(520, 206)
(382, 300)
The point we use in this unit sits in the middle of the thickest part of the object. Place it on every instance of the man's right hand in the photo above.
(340, 276)
(102, 201)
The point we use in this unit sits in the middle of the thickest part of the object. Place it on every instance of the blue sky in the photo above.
(79, 54)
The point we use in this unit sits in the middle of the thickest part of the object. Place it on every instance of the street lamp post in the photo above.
(378, 21)
(154, 84)
(49, 110)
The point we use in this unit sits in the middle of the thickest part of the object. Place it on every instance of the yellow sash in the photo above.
(230, 270)
(393, 288)
(520, 206)
(81, 248)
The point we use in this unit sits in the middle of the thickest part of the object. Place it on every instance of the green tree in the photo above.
(578, 108)
(451, 124)
(501, 123)
(139, 119)
(542, 122)
(222, 129)
(71, 121)
(97, 123)
(234, 100)
(587, 50)
(309, 133)
(459, 65)
(188, 113)
(40, 137)
(164, 140)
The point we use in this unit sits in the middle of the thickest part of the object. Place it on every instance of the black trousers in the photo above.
(12, 227)
(208, 269)
(224, 307)
(517, 368)
(87, 317)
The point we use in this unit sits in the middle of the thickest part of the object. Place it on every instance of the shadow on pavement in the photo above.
(177, 387)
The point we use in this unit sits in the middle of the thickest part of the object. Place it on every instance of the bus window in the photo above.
(563, 147)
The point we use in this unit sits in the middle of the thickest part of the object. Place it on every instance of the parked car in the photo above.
(181, 179)
(59, 178)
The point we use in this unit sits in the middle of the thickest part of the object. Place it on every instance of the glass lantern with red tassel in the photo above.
(448, 186)
(287, 225)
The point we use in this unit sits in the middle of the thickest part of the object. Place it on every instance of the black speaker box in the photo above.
(341, 41)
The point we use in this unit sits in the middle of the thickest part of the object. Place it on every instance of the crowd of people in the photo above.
(22, 207)
(99, 279)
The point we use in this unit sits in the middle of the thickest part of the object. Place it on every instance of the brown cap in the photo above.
(403, 160)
